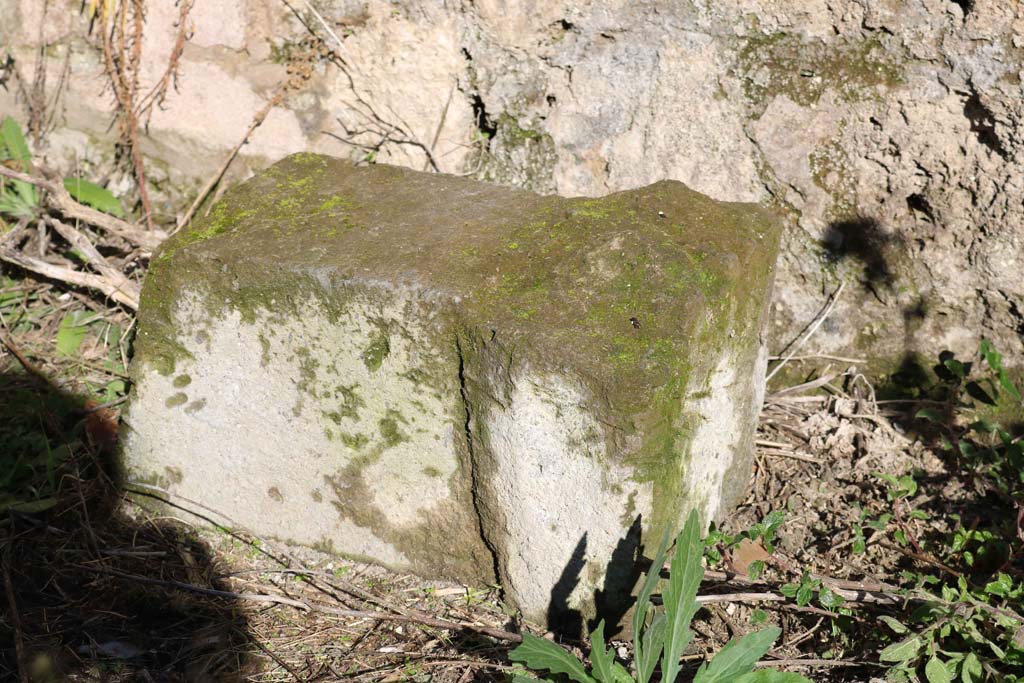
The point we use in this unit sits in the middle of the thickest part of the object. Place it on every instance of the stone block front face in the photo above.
(453, 378)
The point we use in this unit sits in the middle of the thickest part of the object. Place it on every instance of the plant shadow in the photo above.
(612, 601)
(88, 591)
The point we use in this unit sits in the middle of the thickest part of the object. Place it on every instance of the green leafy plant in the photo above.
(659, 636)
(17, 198)
(765, 531)
(965, 592)
(21, 199)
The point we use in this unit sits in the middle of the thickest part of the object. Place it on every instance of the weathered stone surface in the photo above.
(454, 378)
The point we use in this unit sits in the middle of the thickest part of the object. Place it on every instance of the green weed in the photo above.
(661, 640)
(963, 620)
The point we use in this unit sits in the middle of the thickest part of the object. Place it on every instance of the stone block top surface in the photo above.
(621, 285)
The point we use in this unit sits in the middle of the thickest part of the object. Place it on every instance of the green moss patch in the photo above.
(785, 64)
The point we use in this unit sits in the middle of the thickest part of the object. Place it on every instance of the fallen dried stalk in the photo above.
(257, 120)
(117, 279)
(62, 199)
(740, 597)
(19, 645)
(810, 331)
(337, 584)
(30, 367)
(798, 388)
(72, 277)
(792, 455)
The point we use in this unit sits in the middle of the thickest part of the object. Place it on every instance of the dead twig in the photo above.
(122, 62)
(30, 367)
(792, 455)
(280, 662)
(117, 279)
(740, 597)
(815, 324)
(19, 644)
(257, 120)
(71, 277)
(62, 199)
(799, 388)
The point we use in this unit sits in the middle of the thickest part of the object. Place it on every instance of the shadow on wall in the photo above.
(613, 600)
(85, 590)
(864, 241)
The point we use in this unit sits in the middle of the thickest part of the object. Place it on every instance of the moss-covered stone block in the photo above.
(453, 378)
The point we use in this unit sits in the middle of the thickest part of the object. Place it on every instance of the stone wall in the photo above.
(893, 132)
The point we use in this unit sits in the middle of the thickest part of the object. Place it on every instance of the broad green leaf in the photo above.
(15, 203)
(887, 478)
(929, 414)
(620, 674)
(894, 624)
(114, 390)
(1002, 586)
(93, 195)
(755, 569)
(770, 676)
(1008, 385)
(681, 593)
(653, 642)
(936, 672)
(519, 677)
(738, 657)
(600, 657)
(71, 333)
(971, 669)
(804, 593)
(991, 356)
(956, 367)
(540, 654)
(643, 599)
(829, 599)
(26, 196)
(14, 142)
(983, 426)
(903, 651)
(773, 520)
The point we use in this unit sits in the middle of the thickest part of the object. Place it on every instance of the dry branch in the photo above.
(62, 199)
(116, 277)
(12, 603)
(257, 120)
(815, 324)
(72, 277)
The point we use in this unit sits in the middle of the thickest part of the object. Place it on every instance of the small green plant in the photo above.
(17, 198)
(964, 594)
(661, 639)
(765, 531)
(20, 199)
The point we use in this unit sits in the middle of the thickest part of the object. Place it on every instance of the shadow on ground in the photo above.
(86, 592)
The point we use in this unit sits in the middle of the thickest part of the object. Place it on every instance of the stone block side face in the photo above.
(569, 492)
(556, 506)
(346, 428)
